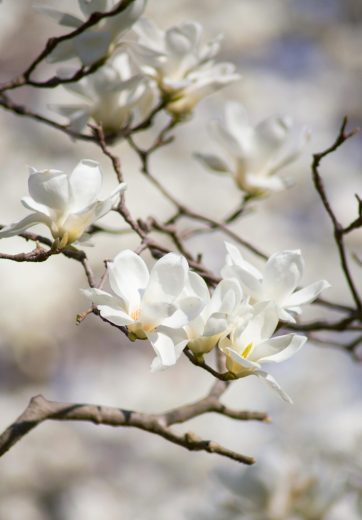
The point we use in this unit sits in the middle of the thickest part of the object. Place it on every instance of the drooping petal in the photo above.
(167, 278)
(99, 297)
(283, 272)
(25, 223)
(92, 46)
(214, 162)
(165, 349)
(277, 349)
(272, 383)
(104, 206)
(49, 187)
(128, 277)
(29, 203)
(85, 183)
(116, 316)
(307, 294)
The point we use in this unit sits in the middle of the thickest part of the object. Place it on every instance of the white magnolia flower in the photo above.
(215, 320)
(98, 41)
(66, 203)
(151, 305)
(254, 154)
(112, 97)
(251, 345)
(182, 64)
(278, 283)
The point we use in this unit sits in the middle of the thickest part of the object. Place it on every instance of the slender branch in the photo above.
(40, 410)
(337, 227)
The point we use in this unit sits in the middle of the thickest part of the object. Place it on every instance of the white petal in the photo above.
(92, 46)
(237, 121)
(167, 278)
(65, 19)
(91, 6)
(25, 223)
(63, 51)
(85, 183)
(123, 21)
(197, 286)
(29, 203)
(245, 363)
(278, 349)
(49, 187)
(128, 276)
(256, 182)
(226, 296)
(104, 206)
(307, 294)
(283, 272)
(214, 162)
(165, 350)
(99, 297)
(272, 383)
(215, 325)
(116, 316)
(155, 313)
(236, 258)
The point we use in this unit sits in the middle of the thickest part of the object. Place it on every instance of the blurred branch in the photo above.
(40, 410)
(339, 230)
(52, 43)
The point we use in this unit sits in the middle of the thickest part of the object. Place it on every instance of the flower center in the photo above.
(247, 350)
(135, 315)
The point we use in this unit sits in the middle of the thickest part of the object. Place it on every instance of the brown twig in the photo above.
(40, 410)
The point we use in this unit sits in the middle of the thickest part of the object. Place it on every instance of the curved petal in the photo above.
(49, 187)
(63, 51)
(123, 21)
(278, 349)
(29, 203)
(25, 223)
(167, 279)
(307, 294)
(237, 121)
(99, 297)
(214, 162)
(226, 296)
(85, 183)
(196, 286)
(283, 272)
(166, 352)
(104, 206)
(116, 316)
(242, 362)
(92, 46)
(250, 284)
(272, 383)
(128, 277)
(234, 256)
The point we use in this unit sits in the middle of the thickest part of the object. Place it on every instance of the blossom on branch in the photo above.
(181, 63)
(152, 305)
(251, 345)
(66, 203)
(113, 97)
(254, 154)
(99, 41)
(278, 283)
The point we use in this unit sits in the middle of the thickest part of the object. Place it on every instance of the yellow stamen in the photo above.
(135, 315)
(247, 350)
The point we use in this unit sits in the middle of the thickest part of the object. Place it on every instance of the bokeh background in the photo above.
(299, 58)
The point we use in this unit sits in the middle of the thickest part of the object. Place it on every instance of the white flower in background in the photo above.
(181, 63)
(66, 203)
(112, 97)
(254, 154)
(215, 320)
(278, 283)
(98, 41)
(151, 305)
(251, 345)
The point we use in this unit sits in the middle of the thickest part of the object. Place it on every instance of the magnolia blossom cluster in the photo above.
(175, 68)
(172, 307)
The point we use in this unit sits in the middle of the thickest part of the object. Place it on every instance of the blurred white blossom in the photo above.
(114, 96)
(66, 203)
(181, 63)
(254, 154)
(98, 41)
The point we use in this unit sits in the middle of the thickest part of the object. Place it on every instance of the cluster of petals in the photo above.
(172, 307)
(66, 203)
(113, 97)
(182, 65)
(254, 154)
(100, 40)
